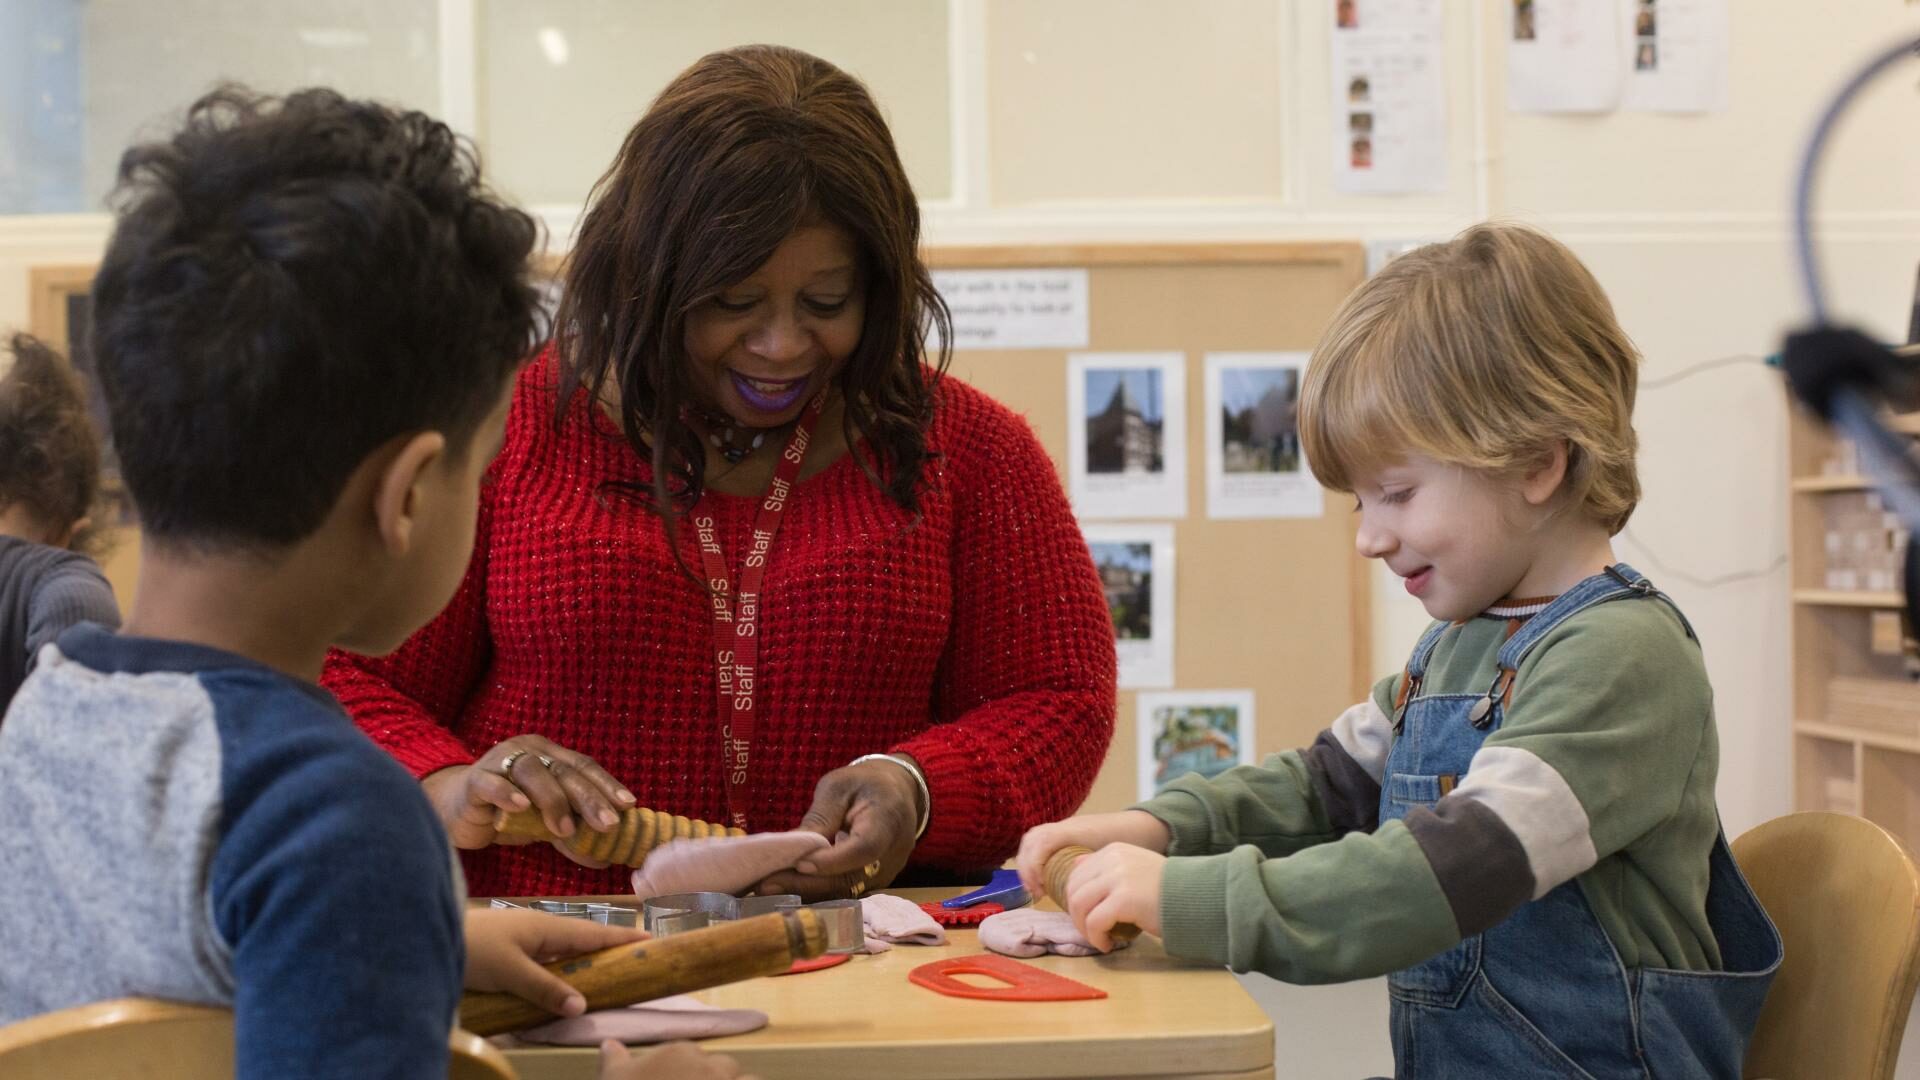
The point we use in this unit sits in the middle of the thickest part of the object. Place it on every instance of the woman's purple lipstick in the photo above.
(769, 395)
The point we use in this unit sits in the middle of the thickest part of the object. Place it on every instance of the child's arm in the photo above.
(334, 892)
(1594, 754)
(72, 594)
(1292, 800)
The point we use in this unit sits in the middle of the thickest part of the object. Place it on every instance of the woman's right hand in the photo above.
(468, 798)
(1095, 831)
(673, 1061)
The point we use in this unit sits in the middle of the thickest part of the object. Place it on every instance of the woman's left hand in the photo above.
(869, 811)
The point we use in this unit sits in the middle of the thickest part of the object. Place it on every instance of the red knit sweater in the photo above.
(976, 639)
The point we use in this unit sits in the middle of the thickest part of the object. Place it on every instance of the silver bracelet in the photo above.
(926, 796)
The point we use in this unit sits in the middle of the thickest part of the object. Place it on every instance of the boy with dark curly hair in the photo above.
(306, 329)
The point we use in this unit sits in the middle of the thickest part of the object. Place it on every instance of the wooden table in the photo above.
(1163, 1019)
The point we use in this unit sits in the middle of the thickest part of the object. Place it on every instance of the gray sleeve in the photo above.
(74, 593)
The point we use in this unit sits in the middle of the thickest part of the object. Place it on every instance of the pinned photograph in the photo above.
(1255, 467)
(1346, 14)
(1647, 56)
(1136, 572)
(1523, 20)
(1359, 88)
(1127, 434)
(1360, 123)
(1360, 155)
(1192, 731)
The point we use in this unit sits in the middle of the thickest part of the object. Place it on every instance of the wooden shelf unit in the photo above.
(1847, 758)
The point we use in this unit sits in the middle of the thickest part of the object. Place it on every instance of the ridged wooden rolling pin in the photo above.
(640, 830)
(1060, 868)
(662, 967)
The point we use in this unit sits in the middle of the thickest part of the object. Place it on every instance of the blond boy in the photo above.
(1518, 829)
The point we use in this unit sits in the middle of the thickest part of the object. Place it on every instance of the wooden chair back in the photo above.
(1846, 897)
(145, 1039)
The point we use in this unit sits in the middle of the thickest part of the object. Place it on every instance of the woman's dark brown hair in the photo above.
(738, 151)
(49, 451)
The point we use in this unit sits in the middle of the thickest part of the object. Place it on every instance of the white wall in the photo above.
(1682, 218)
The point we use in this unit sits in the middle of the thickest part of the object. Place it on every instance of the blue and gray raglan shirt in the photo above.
(186, 824)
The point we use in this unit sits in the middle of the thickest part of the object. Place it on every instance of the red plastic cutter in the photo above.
(1024, 981)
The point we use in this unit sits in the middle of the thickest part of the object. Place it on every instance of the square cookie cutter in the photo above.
(605, 914)
(677, 913)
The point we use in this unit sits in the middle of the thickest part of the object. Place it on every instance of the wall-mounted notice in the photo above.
(1016, 309)
(1563, 55)
(1679, 55)
(1389, 97)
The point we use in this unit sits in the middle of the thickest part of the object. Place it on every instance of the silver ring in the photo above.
(507, 763)
(545, 761)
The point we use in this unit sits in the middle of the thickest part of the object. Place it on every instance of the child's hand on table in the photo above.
(1095, 831)
(505, 949)
(673, 1061)
(1119, 883)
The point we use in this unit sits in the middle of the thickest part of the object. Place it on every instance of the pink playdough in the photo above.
(721, 863)
(1027, 933)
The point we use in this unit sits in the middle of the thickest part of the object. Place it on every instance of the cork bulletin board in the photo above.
(1276, 606)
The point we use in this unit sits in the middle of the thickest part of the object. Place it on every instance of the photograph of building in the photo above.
(1259, 421)
(1124, 436)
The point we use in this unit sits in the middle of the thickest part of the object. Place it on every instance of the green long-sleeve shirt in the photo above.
(1602, 770)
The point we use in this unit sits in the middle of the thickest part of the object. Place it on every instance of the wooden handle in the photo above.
(639, 831)
(662, 967)
(1060, 868)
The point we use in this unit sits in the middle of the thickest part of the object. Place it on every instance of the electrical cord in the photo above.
(1660, 565)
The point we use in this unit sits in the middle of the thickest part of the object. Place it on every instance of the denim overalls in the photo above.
(1544, 993)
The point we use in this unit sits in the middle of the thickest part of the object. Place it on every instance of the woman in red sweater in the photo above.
(745, 554)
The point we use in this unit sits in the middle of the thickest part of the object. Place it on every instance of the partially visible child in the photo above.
(306, 327)
(49, 477)
(1519, 829)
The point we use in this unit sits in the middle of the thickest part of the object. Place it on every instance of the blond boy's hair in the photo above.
(1479, 352)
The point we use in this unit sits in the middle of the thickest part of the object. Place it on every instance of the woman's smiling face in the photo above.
(763, 346)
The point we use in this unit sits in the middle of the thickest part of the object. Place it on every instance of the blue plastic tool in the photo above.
(1005, 889)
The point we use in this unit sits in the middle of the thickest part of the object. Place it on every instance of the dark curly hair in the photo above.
(49, 452)
(738, 151)
(291, 283)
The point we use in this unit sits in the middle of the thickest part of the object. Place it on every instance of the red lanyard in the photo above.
(736, 641)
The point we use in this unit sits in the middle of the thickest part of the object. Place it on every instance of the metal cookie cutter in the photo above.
(679, 912)
(846, 932)
(605, 914)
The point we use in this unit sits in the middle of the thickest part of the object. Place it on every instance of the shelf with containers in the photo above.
(1856, 665)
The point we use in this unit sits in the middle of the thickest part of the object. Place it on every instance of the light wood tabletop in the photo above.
(1163, 1019)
